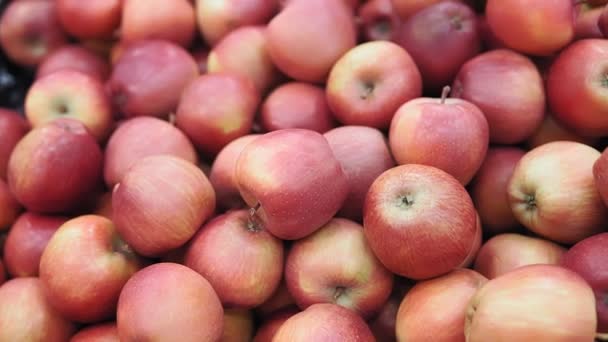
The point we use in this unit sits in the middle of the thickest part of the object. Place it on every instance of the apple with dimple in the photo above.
(379, 20)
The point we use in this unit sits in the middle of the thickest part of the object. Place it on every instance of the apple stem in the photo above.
(339, 292)
(253, 223)
(444, 93)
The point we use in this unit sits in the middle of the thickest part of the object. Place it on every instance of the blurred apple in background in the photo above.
(512, 115)
(369, 83)
(404, 207)
(449, 134)
(75, 57)
(364, 155)
(297, 105)
(552, 192)
(506, 252)
(26, 241)
(96, 19)
(105, 332)
(9, 207)
(12, 128)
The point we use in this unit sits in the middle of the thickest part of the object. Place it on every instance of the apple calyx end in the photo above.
(339, 292)
(406, 201)
(253, 222)
(530, 200)
(368, 89)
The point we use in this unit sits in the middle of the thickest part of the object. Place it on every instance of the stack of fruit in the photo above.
(304, 170)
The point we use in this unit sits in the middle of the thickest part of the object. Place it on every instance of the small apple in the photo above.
(104, 332)
(238, 325)
(196, 311)
(75, 57)
(405, 206)
(93, 19)
(12, 128)
(363, 91)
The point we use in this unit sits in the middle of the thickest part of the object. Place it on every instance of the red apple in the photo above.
(506, 252)
(26, 315)
(26, 241)
(324, 322)
(405, 206)
(297, 105)
(361, 90)
(196, 311)
(218, 18)
(406, 8)
(587, 258)
(454, 32)
(379, 20)
(222, 175)
(70, 94)
(552, 192)
(551, 130)
(93, 19)
(9, 207)
(514, 114)
(84, 256)
(336, 265)
(575, 87)
(268, 329)
(238, 326)
(418, 318)
(251, 259)
(149, 78)
(105, 332)
(244, 52)
(75, 57)
(281, 300)
(275, 177)
(586, 21)
(532, 303)
(449, 134)
(30, 31)
(211, 125)
(489, 189)
(141, 137)
(364, 155)
(537, 28)
(161, 203)
(55, 167)
(12, 128)
(173, 21)
(325, 28)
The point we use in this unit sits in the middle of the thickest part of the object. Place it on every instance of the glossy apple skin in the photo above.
(24, 297)
(161, 203)
(587, 20)
(70, 94)
(12, 128)
(198, 313)
(273, 173)
(297, 105)
(529, 304)
(586, 258)
(551, 130)
(536, 28)
(418, 318)
(141, 137)
(211, 125)
(75, 57)
(364, 155)
(506, 252)
(325, 27)
(252, 259)
(449, 134)
(55, 167)
(350, 276)
(157, 19)
(218, 18)
(244, 52)
(105, 332)
(9, 206)
(269, 327)
(95, 19)
(403, 208)
(379, 20)
(238, 325)
(132, 91)
(324, 322)
(553, 193)
(26, 241)
(222, 175)
(363, 91)
(84, 256)
(512, 116)
(30, 31)
(575, 85)
(489, 189)
(454, 32)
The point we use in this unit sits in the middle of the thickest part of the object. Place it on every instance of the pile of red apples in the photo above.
(305, 170)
